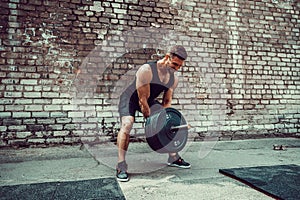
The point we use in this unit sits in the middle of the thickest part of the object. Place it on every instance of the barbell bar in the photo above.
(188, 126)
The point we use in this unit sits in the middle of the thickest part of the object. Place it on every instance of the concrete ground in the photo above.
(150, 177)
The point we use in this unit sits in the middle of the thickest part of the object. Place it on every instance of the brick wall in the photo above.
(64, 63)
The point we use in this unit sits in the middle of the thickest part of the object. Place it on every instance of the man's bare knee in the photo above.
(127, 123)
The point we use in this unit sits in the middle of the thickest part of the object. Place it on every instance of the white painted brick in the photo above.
(104, 114)
(22, 135)
(60, 133)
(50, 94)
(88, 126)
(21, 114)
(56, 140)
(36, 141)
(63, 120)
(46, 121)
(52, 107)
(75, 114)
(42, 101)
(5, 114)
(3, 128)
(12, 94)
(23, 101)
(68, 107)
(32, 94)
(17, 128)
(55, 127)
(28, 82)
(40, 114)
(60, 101)
(33, 108)
(58, 114)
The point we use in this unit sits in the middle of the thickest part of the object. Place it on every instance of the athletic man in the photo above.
(151, 80)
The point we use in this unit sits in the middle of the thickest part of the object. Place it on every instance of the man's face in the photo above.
(175, 63)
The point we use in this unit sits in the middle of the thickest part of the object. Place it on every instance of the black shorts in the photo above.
(129, 106)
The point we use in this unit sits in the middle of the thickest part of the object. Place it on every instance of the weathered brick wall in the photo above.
(64, 63)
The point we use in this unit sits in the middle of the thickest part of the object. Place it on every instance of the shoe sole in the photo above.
(123, 180)
(179, 166)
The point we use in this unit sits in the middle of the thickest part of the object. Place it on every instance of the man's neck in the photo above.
(161, 66)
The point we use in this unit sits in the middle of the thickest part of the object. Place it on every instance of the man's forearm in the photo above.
(167, 98)
(144, 107)
(167, 103)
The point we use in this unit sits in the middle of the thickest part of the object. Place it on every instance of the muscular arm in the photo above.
(143, 79)
(168, 95)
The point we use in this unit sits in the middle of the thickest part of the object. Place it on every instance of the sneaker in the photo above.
(178, 163)
(122, 174)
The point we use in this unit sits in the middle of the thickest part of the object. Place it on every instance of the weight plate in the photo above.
(158, 131)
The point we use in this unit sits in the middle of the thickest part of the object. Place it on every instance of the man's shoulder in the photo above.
(147, 70)
(144, 72)
(145, 67)
(149, 64)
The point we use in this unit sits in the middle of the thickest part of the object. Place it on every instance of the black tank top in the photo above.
(156, 86)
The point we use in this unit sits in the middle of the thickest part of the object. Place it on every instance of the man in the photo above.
(151, 80)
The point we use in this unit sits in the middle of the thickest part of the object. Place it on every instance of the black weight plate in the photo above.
(154, 125)
(173, 140)
(159, 135)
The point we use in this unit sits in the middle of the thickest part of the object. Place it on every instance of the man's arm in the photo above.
(143, 79)
(168, 95)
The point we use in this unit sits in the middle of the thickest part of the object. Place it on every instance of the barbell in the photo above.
(166, 131)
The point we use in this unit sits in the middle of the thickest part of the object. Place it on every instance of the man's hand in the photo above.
(145, 110)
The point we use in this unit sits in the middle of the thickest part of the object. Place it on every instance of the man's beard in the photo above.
(171, 70)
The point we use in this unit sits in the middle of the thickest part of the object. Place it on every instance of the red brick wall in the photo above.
(64, 63)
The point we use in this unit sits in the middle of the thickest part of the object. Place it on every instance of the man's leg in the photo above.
(173, 155)
(123, 142)
(123, 136)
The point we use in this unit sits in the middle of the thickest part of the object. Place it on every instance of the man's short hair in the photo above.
(179, 51)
